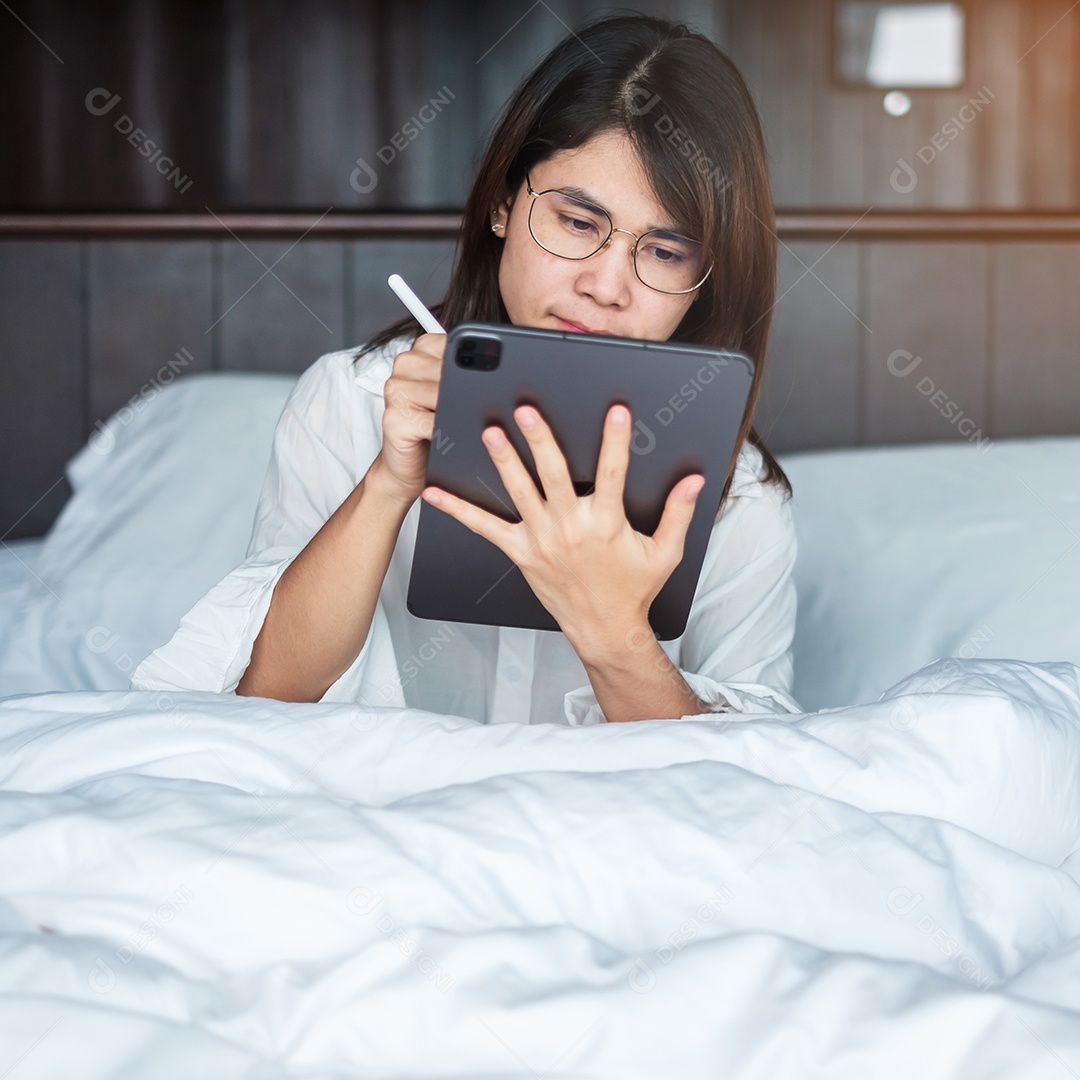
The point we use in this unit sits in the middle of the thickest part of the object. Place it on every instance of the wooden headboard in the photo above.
(889, 327)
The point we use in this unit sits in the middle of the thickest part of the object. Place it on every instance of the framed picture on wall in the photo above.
(899, 46)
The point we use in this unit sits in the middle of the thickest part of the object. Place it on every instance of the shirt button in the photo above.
(513, 672)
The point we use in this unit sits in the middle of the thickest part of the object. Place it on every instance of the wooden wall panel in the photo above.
(371, 304)
(289, 95)
(746, 27)
(953, 170)
(41, 380)
(1035, 339)
(1049, 67)
(1000, 164)
(835, 170)
(1074, 105)
(256, 111)
(788, 57)
(994, 322)
(146, 301)
(349, 80)
(890, 138)
(927, 342)
(810, 395)
(280, 304)
(835, 147)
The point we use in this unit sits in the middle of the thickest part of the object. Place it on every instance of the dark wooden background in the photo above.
(266, 107)
(266, 104)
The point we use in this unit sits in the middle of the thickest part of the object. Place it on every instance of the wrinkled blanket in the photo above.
(200, 885)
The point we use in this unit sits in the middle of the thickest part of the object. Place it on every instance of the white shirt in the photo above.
(735, 653)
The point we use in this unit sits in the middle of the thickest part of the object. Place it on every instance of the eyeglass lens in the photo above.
(566, 227)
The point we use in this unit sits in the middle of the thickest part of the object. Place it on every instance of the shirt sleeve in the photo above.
(735, 654)
(317, 458)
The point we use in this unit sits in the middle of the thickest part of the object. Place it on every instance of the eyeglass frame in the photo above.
(607, 240)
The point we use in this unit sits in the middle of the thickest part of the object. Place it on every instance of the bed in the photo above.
(886, 886)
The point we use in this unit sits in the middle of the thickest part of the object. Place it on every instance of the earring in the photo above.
(496, 226)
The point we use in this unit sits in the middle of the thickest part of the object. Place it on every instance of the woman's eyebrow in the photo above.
(674, 234)
(589, 201)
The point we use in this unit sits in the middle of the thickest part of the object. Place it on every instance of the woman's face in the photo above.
(600, 294)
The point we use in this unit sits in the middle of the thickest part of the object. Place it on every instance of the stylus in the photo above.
(414, 304)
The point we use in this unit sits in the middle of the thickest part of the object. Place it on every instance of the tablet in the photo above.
(686, 402)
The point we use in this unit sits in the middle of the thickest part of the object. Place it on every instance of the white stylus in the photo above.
(414, 304)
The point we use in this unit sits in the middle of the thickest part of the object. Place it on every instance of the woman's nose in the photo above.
(611, 275)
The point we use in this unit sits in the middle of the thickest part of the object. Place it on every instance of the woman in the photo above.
(634, 134)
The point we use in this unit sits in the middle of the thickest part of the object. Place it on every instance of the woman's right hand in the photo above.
(409, 420)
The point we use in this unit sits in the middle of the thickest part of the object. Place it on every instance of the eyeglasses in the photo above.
(572, 229)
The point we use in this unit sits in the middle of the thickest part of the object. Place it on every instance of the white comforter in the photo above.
(221, 887)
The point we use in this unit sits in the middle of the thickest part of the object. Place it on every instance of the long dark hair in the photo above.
(690, 116)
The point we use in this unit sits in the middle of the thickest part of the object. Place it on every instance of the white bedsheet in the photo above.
(203, 886)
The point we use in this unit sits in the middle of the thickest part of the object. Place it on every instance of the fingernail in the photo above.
(432, 497)
(526, 418)
(694, 490)
(495, 438)
(620, 415)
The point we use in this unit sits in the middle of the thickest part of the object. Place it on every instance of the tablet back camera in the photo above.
(479, 353)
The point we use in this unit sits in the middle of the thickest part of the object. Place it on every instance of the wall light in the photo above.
(897, 103)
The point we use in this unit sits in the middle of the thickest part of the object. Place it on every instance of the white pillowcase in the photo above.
(163, 505)
(17, 557)
(913, 553)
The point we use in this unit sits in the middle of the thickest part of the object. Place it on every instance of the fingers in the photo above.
(430, 345)
(515, 477)
(404, 392)
(550, 463)
(500, 533)
(406, 422)
(423, 362)
(410, 410)
(614, 459)
(679, 508)
(412, 390)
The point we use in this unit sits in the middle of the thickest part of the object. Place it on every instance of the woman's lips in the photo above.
(576, 327)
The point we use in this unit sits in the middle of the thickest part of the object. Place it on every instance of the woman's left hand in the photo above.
(585, 562)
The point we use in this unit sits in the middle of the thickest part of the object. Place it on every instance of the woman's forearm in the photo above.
(638, 681)
(322, 606)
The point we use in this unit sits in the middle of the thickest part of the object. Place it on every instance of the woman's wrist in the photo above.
(617, 644)
(379, 486)
(634, 679)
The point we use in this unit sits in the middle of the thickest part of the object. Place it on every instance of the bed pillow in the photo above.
(914, 553)
(163, 505)
(17, 558)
